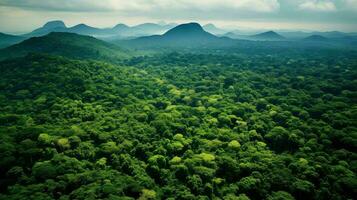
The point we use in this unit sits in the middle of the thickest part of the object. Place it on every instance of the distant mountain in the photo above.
(304, 34)
(316, 38)
(146, 29)
(295, 34)
(184, 35)
(8, 40)
(84, 29)
(213, 29)
(234, 35)
(118, 31)
(150, 28)
(65, 44)
(49, 27)
(230, 35)
(331, 34)
(54, 24)
(268, 36)
(122, 31)
(190, 31)
(59, 26)
(120, 27)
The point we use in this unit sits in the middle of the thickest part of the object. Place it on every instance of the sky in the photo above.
(19, 16)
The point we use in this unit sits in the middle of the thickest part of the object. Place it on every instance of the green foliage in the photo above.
(147, 194)
(223, 125)
(44, 170)
(206, 157)
(44, 139)
(280, 195)
(234, 144)
(65, 44)
(63, 144)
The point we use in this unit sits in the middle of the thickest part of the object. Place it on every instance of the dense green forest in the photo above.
(180, 126)
(70, 45)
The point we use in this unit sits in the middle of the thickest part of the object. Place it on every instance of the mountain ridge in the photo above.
(316, 38)
(71, 45)
(184, 35)
(269, 36)
(8, 40)
(84, 29)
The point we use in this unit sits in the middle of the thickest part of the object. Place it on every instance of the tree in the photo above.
(63, 144)
(280, 195)
(280, 139)
(44, 170)
(147, 194)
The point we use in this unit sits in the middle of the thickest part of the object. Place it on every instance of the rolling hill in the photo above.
(51, 26)
(267, 36)
(234, 35)
(8, 40)
(316, 38)
(65, 44)
(84, 29)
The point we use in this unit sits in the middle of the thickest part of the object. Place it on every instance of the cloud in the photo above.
(317, 5)
(351, 4)
(251, 5)
(29, 14)
(145, 5)
(53, 5)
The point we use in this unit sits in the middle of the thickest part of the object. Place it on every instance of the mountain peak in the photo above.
(271, 32)
(82, 26)
(120, 25)
(269, 35)
(84, 29)
(210, 25)
(54, 24)
(319, 38)
(184, 35)
(186, 29)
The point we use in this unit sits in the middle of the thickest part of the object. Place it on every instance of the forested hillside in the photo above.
(7, 40)
(65, 44)
(180, 126)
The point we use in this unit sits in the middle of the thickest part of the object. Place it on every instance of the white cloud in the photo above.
(318, 5)
(146, 5)
(248, 5)
(351, 4)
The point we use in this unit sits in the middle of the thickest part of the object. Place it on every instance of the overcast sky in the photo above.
(26, 15)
